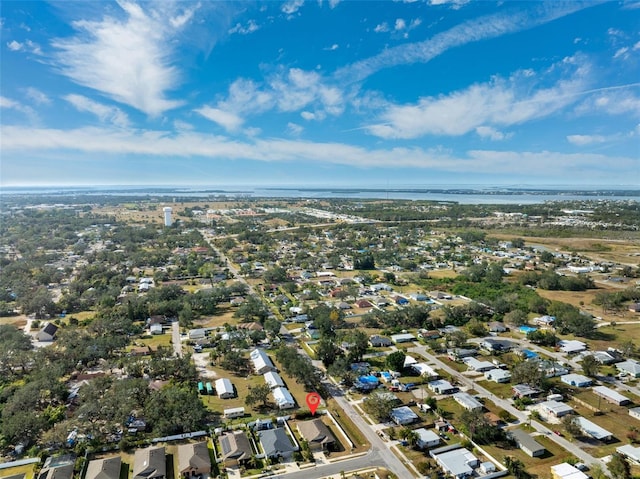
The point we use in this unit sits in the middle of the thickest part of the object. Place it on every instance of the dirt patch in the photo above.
(201, 360)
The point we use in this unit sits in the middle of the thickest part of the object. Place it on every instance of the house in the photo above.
(487, 467)
(630, 452)
(317, 434)
(150, 463)
(283, 398)
(235, 447)
(458, 354)
(273, 379)
(401, 301)
(555, 408)
(630, 367)
(440, 386)
(403, 415)
(402, 338)
(423, 369)
(571, 346)
(155, 328)
(576, 380)
(467, 401)
(224, 388)
(419, 297)
(276, 443)
(607, 357)
(107, 468)
(635, 412)
(474, 364)
(593, 430)
(195, 334)
(497, 327)
(193, 459)
(567, 471)
(458, 463)
(610, 395)
(498, 375)
(60, 467)
(47, 333)
(428, 334)
(379, 341)
(364, 303)
(426, 438)
(552, 368)
(439, 295)
(261, 361)
(233, 412)
(524, 390)
(544, 320)
(496, 345)
(525, 442)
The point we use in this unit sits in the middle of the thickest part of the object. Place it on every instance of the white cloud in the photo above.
(165, 144)
(294, 129)
(636, 46)
(621, 52)
(9, 104)
(333, 3)
(400, 24)
(37, 96)
(490, 133)
(226, 119)
(490, 26)
(455, 4)
(381, 28)
(617, 100)
(584, 140)
(181, 125)
(110, 114)
(250, 27)
(496, 103)
(27, 46)
(127, 59)
(333, 47)
(292, 6)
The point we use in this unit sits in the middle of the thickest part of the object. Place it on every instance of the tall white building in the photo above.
(167, 215)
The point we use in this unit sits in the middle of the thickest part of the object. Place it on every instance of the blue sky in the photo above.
(337, 93)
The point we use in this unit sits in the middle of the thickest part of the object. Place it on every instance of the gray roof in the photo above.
(194, 456)
(525, 441)
(107, 468)
(150, 462)
(235, 445)
(315, 431)
(275, 442)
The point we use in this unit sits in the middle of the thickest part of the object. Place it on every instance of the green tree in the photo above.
(517, 317)
(619, 467)
(359, 344)
(395, 361)
(590, 365)
(527, 372)
(379, 406)
(258, 395)
(572, 426)
(327, 351)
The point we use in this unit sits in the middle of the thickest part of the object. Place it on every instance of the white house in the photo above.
(593, 430)
(283, 398)
(459, 463)
(224, 388)
(476, 365)
(635, 412)
(403, 415)
(630, 452)
(630, 367)
(233, 412)
(498, 375)
(567, 471)
(576, 380)
(467, 401)
(426, 438)
(611, 395)
(571, 346)
(555, 408)
(402, 338)
(261, 361)
(273, 379)
(441, 386)
(424, 369)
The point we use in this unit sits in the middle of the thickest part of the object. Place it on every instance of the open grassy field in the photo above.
(584, 301)
(619, 251)
(224, 316)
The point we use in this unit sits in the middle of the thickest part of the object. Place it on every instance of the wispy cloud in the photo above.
(292, 6)
(584, 140)
(333, 47)
(128, 59)
(250, 27)
(191, 144)
(491, 133)
(36, 96)
(228, 120)
(499, 102)
(9, 104)
(381, 27)
(294, 129)
(490, 26)
(106, 114)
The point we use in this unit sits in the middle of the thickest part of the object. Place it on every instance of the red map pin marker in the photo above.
(313, 401)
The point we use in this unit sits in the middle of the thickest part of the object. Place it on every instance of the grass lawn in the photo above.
(443, 273)
(615, 419)
(356, 437)
(539, 466)
(155, 341)
(502, 390)
(27, 470)
(224, 316)
(242, 385)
